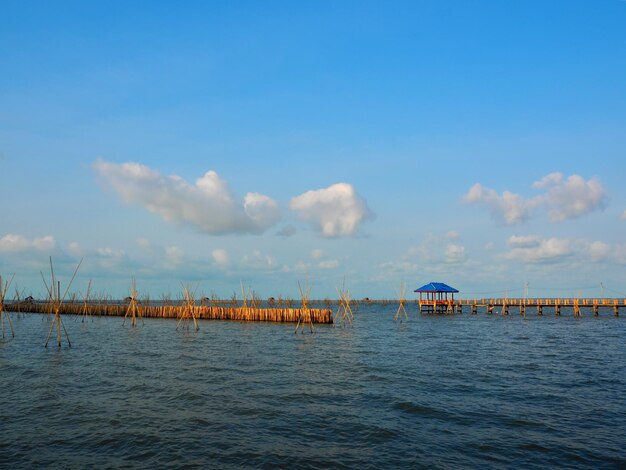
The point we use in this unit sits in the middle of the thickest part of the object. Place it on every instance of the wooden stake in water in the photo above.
(49, 289)
(4, 287)
(85, 308)
(344, 313)
(132, 309)
(187, 311)
(57, 301)
(401, 313)
(17, 300)
(305, 311)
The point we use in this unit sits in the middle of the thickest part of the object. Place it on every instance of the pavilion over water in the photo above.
(434, 298)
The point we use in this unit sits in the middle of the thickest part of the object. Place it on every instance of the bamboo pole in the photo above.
(3, 290)
(57, 303)
(305, 312)
(85, 301)
(188, 308)
(344, 311)
(132, 309)
(401, 310)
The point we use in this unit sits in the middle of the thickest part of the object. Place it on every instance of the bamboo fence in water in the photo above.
(282, 315)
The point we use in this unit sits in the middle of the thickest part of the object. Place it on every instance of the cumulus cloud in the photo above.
(329, 264)
(437, 249)
(302, 267)
(455, 253)
(317, 253)
(207, 204)
(620, 254)
(14, 243)
(598, 251)
(75, 249)
(523, 241)
(624, 215)
(174, 255)
(335, 211)
(508, 207)
(572, 197)
(220, 257)
(534, 249)
(452, 235)
(402, 267)
(108, 252)
(259, 260)
(564, 199)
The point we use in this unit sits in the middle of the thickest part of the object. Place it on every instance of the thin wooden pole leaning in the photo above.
(57, 302)
(4, 287)
(401, 313)
(344, 313)
(244, 296)
(85, 310)
(132, 310)
(50, 300)
(187, 312)
(305, 311)
(17, 300)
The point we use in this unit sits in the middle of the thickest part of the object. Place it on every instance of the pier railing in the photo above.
(504, 304)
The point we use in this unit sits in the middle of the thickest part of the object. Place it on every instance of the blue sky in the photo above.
(482, 144)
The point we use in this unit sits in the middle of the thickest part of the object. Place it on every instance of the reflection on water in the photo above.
(449, 392)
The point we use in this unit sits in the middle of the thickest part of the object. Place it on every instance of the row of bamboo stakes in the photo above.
(188, 312)
(134, 312)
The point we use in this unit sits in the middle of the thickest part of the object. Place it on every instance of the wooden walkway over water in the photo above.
(505, 306)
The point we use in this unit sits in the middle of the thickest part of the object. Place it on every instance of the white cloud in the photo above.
(75, 249)
(220, 256)
(455, 253)
(624, 215)
(523, 241)
(108, 252)
(174, 255)
(398, 267)
(13, 243)
(302, 267)
(509, 207)
(452, 235)
(144, 244)
(563, 198)
(536, 249)
(620, 254)
(571, 198)
(258, 260)
(317, 253)
(335, 211)
(533, 249)
(208, 204)
(437, 249)
(598, 251)
(329, 264)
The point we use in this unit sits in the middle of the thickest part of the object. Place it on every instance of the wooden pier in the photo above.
(505, 306)
(201, 312)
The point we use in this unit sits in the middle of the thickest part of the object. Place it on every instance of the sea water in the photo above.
(434, 391)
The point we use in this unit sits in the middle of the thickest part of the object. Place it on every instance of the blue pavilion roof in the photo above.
(436, 287)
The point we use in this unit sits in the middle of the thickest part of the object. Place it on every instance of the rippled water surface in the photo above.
(438, 392)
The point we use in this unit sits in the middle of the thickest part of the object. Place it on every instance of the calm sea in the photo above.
(434, 392)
